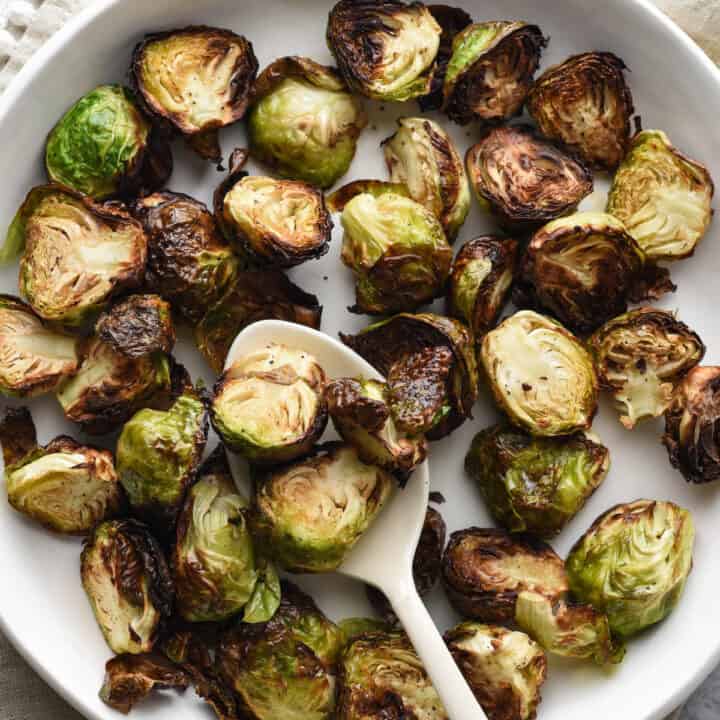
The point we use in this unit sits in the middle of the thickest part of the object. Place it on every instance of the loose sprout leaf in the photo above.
(338, 199)
(17, 435)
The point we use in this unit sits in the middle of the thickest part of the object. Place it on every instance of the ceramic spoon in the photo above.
(383, 557)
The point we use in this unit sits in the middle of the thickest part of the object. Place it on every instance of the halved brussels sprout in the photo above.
(525, 180)
(255, 295)
(640, 357)
(33, 359)
(385, 49)
(381, 676)
(480, 282)
(692, 426)
(310, 513)
(273, 222)
(663, 197)
(189, 262)
(195, 80)
(104, 146)
(586, 104)
(77, 253)
(109, 387)
(504, 668)
(429, 362)
(540, 375)
(269, 405)
(397, 250)
(158, 454)
(584, 268)
(484, 571)
(491, 70)
(422, 156)
(535, 485)
(633, 563)
(303, 122)
(128, 584)
(360, 411)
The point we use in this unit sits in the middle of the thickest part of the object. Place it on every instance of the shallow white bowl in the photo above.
(676, 88)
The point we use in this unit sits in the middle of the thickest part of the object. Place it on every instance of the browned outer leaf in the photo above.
(17, 434)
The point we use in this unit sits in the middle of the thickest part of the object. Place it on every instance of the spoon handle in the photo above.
(455, 693)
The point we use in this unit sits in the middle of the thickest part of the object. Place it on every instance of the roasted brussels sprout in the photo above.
(640, 357)
(480, 282)
(189, 262)
(429, 363)
(65, 486)
(360, 411)
(310, 513)
(131, 678)
(128, 584)
(484, 571)
(663, 197)
(104, 146)
(397, 250)
(540, 375)
(584, 268)
(33, 359)
(255, 295)
(269, 405)
(491, 70)
(158, 454)
(422, 156)
(338, 199)
(109, 387)
(504, 668)
(195, 80)
(535, 485)
(303, 122)
(633, 563)
(525, 180)
(283, 668)
(77, 253)
(381, 676)
(385, 49)
(272, 222)
(586, 104)
(692, 426)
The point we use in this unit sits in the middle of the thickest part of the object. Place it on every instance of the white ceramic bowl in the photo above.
(676, 88)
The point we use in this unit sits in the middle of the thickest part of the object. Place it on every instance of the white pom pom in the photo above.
(21, 13)
(7, 43)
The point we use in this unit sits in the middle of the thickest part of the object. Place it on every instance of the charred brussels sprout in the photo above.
(663, 197)
(310, 513)
(692, 426)
(158, 454)
(33, 359)
(255, 295)
(128, 584)
(195, 80)
(491, 70)
(586, 104)
(189, 262)
(77, 253)
(484, 571)
(382, 676)
(303, 122)
(422, 156)
(103, 146)
(385, 49)
(540, 375)
(504, 668)
(430, 367)
(633, 563)
(269, 405)
(480, 281)
(360, 411)
(640, 357)
(535, 485)
(524, 180)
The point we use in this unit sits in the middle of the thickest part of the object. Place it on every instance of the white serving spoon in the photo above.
(383, 557)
